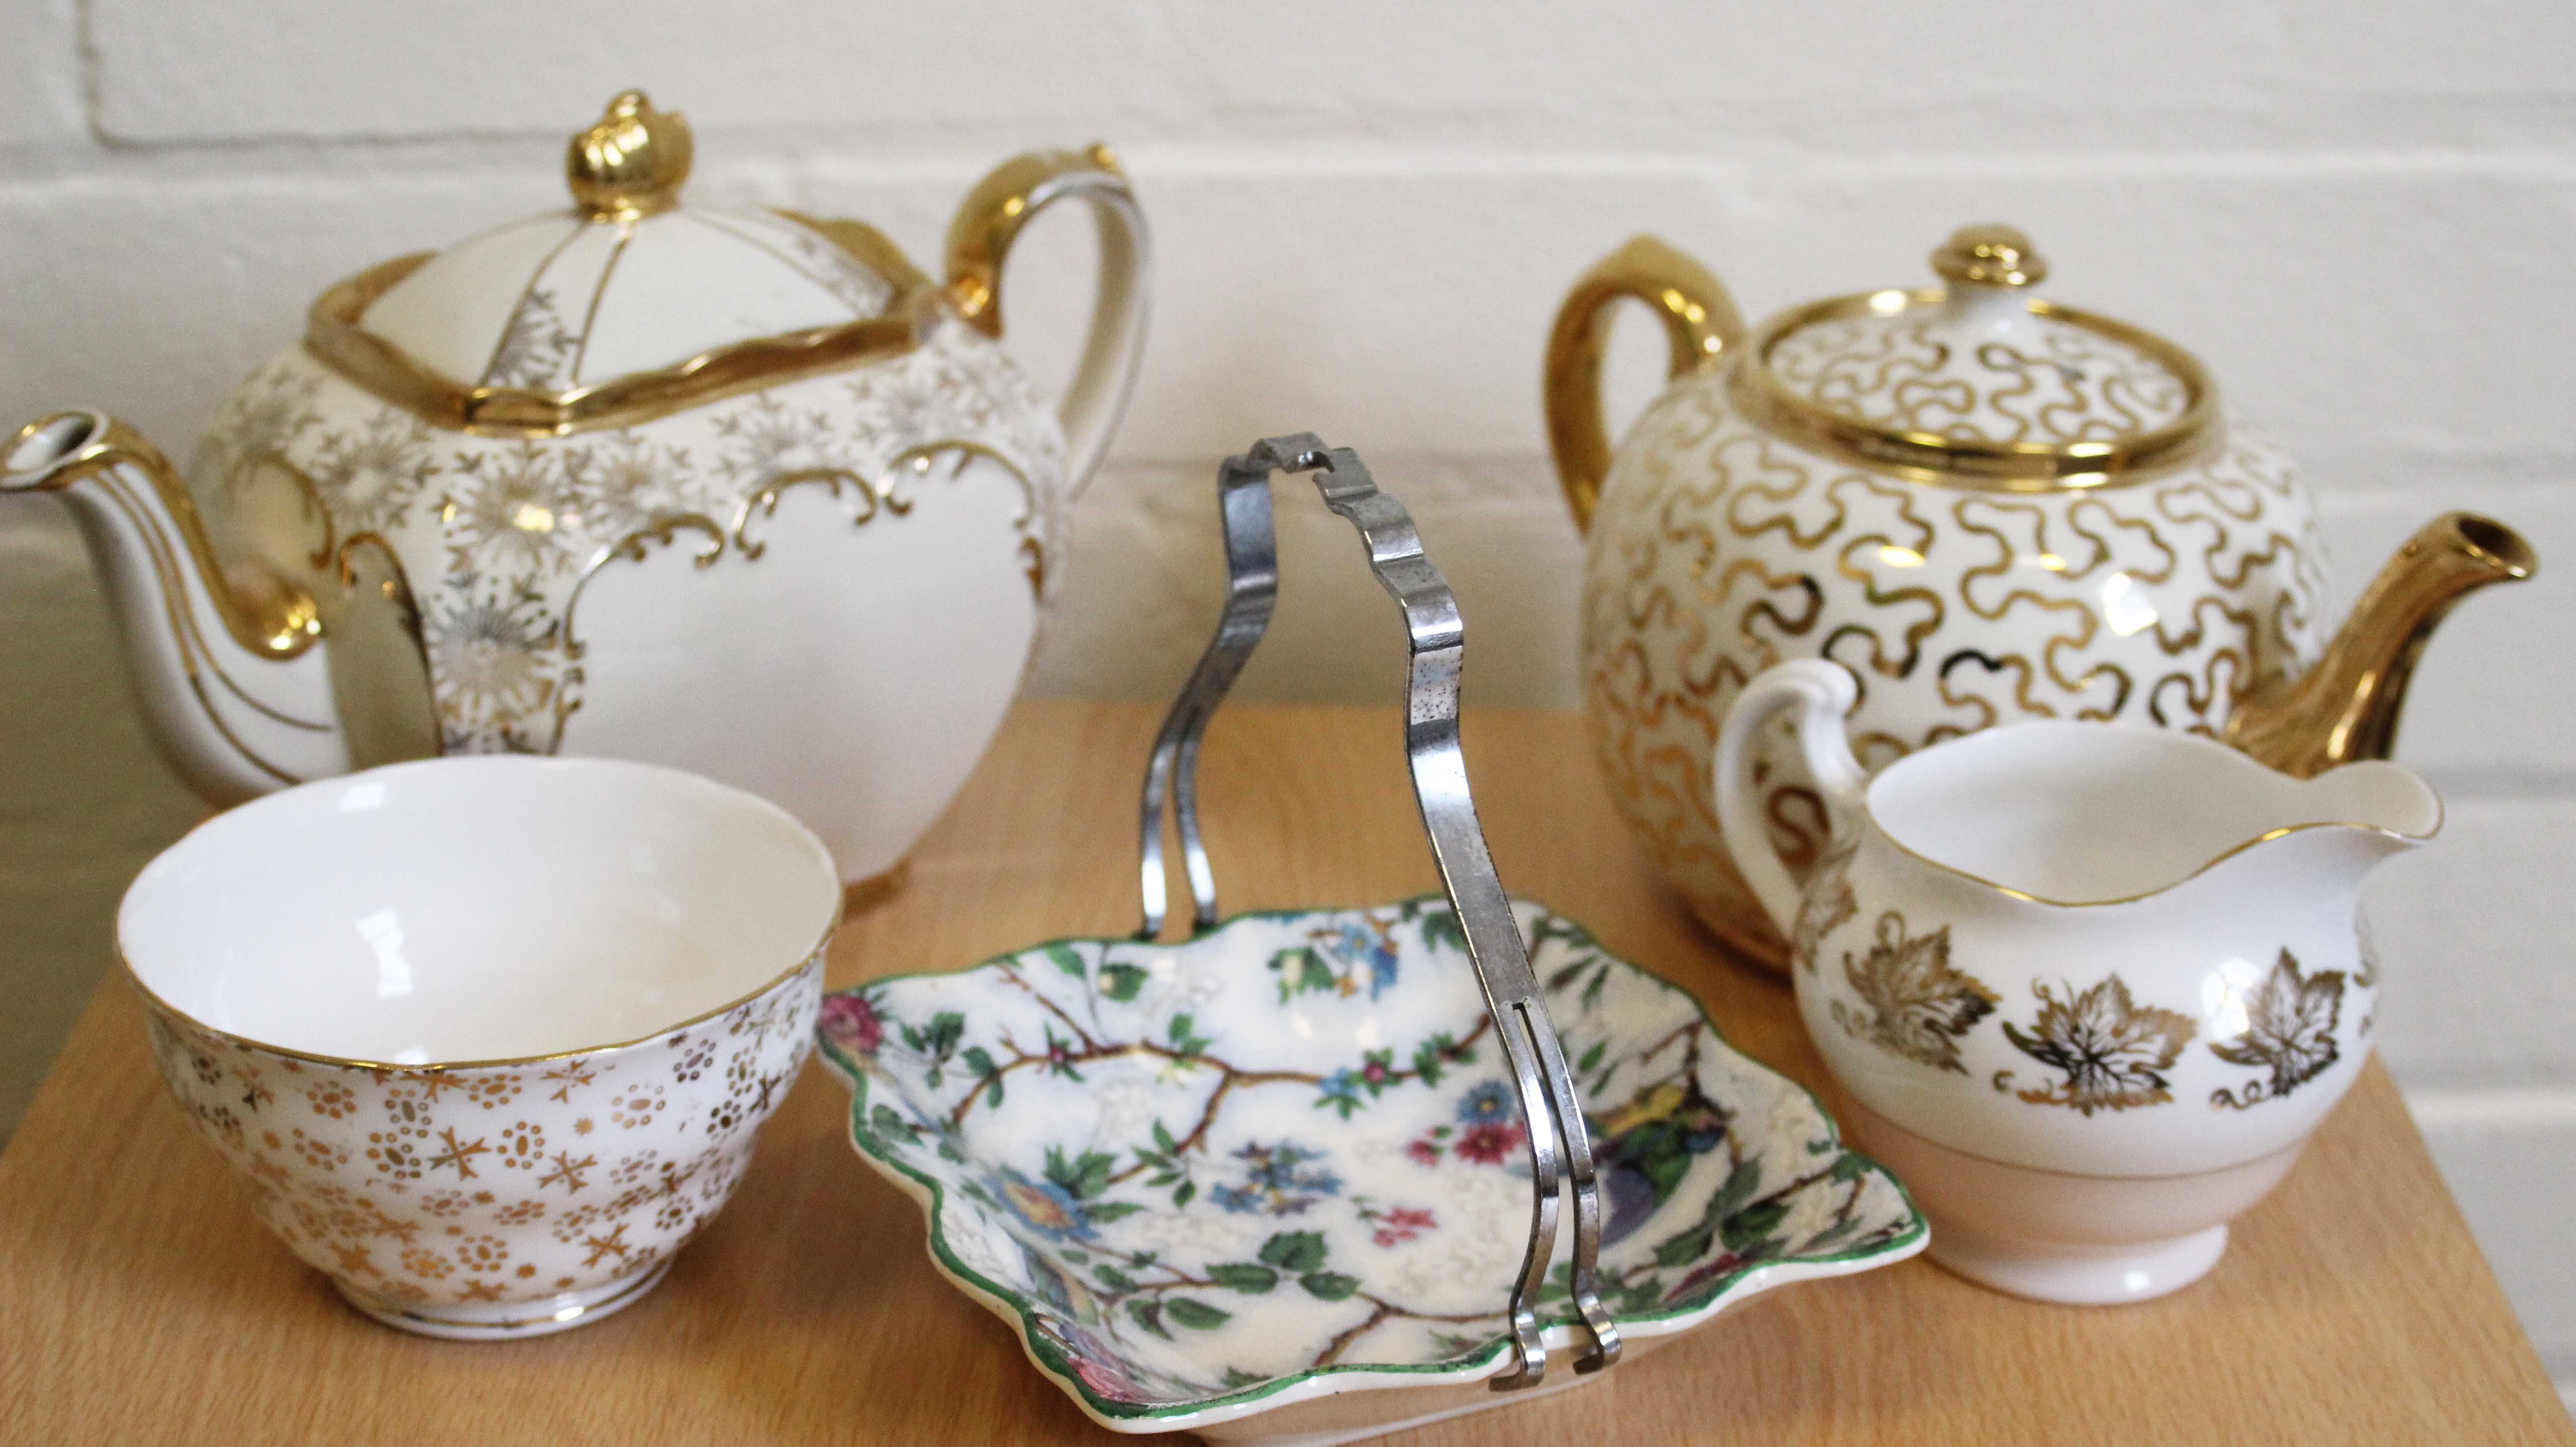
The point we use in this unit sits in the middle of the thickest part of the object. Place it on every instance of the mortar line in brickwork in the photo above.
(1157, 146)
(1837, 162)
(2501, 481)
(2501, 1108)
(89, 61)
(2544, 782)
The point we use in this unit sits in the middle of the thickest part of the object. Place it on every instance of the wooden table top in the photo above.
(141, 1303)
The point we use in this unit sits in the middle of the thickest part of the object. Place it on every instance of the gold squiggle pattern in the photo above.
(2084, 387)
(2111, 525)
(1719, 550)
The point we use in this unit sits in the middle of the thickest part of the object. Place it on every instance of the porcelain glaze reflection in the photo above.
(507, 1047)
(2077, 950)
(1268, 1184)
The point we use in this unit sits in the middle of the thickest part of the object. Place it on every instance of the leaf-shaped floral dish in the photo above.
(1269, 1184)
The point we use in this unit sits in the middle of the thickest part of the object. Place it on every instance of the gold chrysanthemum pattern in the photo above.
(497, 536)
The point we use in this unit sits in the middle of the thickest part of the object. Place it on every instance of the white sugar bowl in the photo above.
(485, 1039)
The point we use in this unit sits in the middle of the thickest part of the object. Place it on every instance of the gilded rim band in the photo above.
(1929, 457)
(2221, 857)
(333, 335)
(814, 957)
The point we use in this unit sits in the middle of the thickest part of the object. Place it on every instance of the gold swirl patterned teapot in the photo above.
(1989, 507)
(737, 491)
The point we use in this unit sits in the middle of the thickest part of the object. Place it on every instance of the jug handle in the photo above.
(1700, 323)
(1825, 694)
(979, 243)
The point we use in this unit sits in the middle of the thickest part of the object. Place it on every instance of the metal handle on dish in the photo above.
(1558, 1142)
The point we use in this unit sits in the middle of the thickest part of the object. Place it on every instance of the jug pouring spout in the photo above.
(2061, 815)
(225, 661)
(2347, 706)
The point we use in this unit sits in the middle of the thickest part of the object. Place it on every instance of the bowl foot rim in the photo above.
(2074, 1275)
(506, 1320)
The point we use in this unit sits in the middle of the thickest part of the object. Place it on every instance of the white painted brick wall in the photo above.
(2358, 211)
(39, 81)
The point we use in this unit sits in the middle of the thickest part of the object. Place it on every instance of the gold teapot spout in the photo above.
(2346, 707)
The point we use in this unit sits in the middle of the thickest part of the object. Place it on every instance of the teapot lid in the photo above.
(629, 306)
(1977, 383)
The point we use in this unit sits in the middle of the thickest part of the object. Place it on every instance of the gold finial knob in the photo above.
(1989, 256)
(632, 163)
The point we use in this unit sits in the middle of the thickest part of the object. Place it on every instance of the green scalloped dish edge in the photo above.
(1052, 1361)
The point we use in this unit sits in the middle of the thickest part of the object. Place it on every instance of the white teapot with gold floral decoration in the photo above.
(737, 491)
(1989, 507)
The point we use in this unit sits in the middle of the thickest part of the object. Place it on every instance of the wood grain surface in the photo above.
(140, 1303)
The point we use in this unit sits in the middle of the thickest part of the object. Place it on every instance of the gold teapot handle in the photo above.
(979, 243)
(1700, 323)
